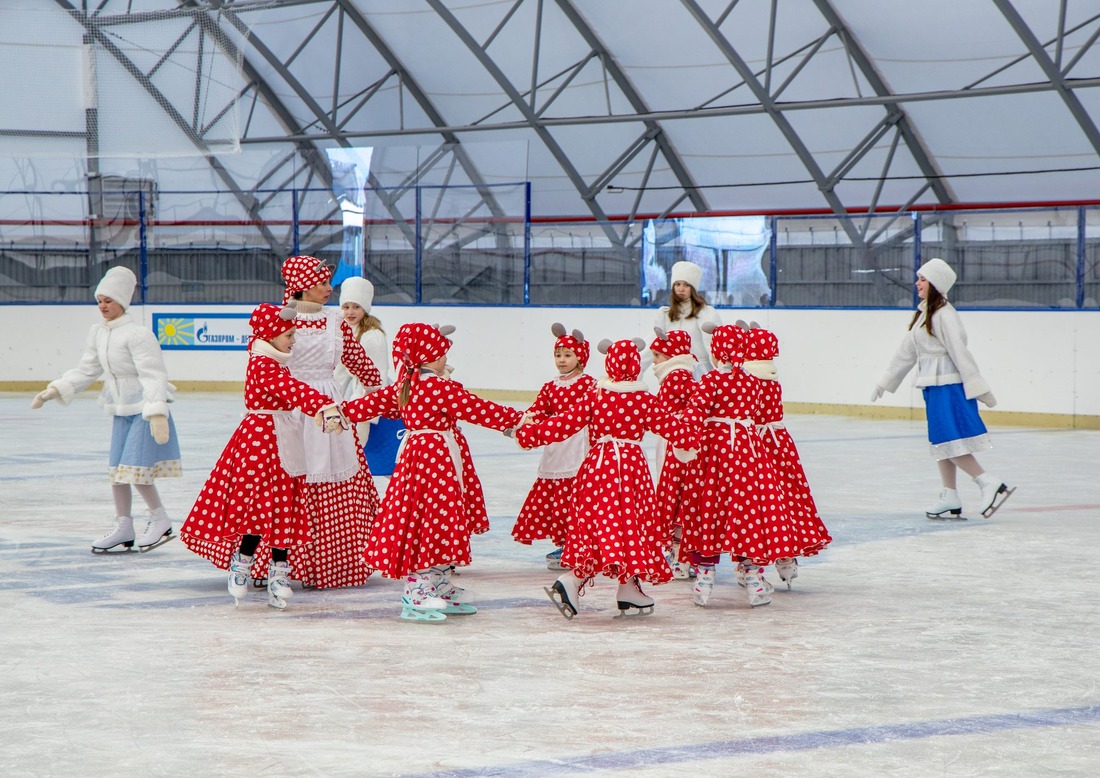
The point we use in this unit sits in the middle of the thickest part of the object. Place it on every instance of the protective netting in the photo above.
(151, 84)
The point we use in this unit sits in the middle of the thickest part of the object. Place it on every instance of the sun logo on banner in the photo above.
(176, 332)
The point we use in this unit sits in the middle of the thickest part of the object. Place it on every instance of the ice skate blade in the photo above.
(276, 603)
(460, 609)
(1002, 494)
(167, 536)
(626, 607)
(127, 548)
(950, 516)
(556, 593)
(410, 613)
(760, 604)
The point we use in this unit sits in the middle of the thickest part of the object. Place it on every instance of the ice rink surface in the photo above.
(908, 648)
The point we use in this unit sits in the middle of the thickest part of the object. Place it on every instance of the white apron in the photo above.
(313, 359)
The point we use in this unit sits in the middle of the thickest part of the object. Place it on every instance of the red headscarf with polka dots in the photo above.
(727, 344)
(267, 323)
(623, 362)
(674, 344)
(760, 344)
(578, 347)
(417, 344)
(303, 272)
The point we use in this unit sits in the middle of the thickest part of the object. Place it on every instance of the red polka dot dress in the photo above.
(545, 512)
(777, 445)
(341, 510)
(677, 386)
(425, 519)
(248, 491)
(613, 529)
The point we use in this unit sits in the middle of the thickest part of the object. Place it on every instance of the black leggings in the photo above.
(249, 544)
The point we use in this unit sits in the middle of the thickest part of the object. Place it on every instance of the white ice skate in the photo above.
(158, 530)
(239, 569)
(630, 595)
(121, 535)
(787, 570)
(553, 560)
(565, 593)
(740, 575)
(453, 595)
(704, 584)
(994, 493)
(758, 595)
(947, 506)
(420, 602)
(278, 585)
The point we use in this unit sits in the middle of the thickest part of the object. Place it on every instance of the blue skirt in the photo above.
(138, 459)
(954, 426)
(381, 446)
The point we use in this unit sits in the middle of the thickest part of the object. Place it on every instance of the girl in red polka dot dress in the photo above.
(674, 366)
(424, 526)
(249, 495)
(762, 347)
(732, 503)
(545, 512)
(613, 528)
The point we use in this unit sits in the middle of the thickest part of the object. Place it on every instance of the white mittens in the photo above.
(43, 397)
(987, 399)
(876, 393)
(332, 420)
(158, 426)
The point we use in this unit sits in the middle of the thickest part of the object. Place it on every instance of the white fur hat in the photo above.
(939, 274)
(688, 272)
(357, 290)
(118, 283)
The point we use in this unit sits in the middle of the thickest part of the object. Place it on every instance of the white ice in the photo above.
(908, 648)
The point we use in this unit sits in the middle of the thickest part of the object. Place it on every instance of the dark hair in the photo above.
(933, 301)
(297, 295)
(697, 304)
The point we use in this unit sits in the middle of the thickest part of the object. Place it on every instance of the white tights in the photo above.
(949, 467)
(124, 501)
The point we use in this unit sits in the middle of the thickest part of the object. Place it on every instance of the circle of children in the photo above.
(292, 496)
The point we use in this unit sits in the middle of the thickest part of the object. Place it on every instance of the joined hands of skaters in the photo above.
(332, 420)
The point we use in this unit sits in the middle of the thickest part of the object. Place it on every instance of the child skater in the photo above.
(613, 527)
(136, 392)
(952, 387)
(688, 310)
(545, 512)
(732, 503)
(762, 347)
(674, 366)
(249, 495)
(356, 297)
(423, 528)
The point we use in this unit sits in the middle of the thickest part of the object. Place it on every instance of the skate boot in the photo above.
(740, 574)
(704, 584)
(948, 506)
(158, 530)
(239, 569)
(565, 593)
(754, 584)
(787, 569)
(553, 560)
(121, 535)
(681, 571)
(994, 493)
(278, 584)
(453, 595)
(630, 595)
(420, 602)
